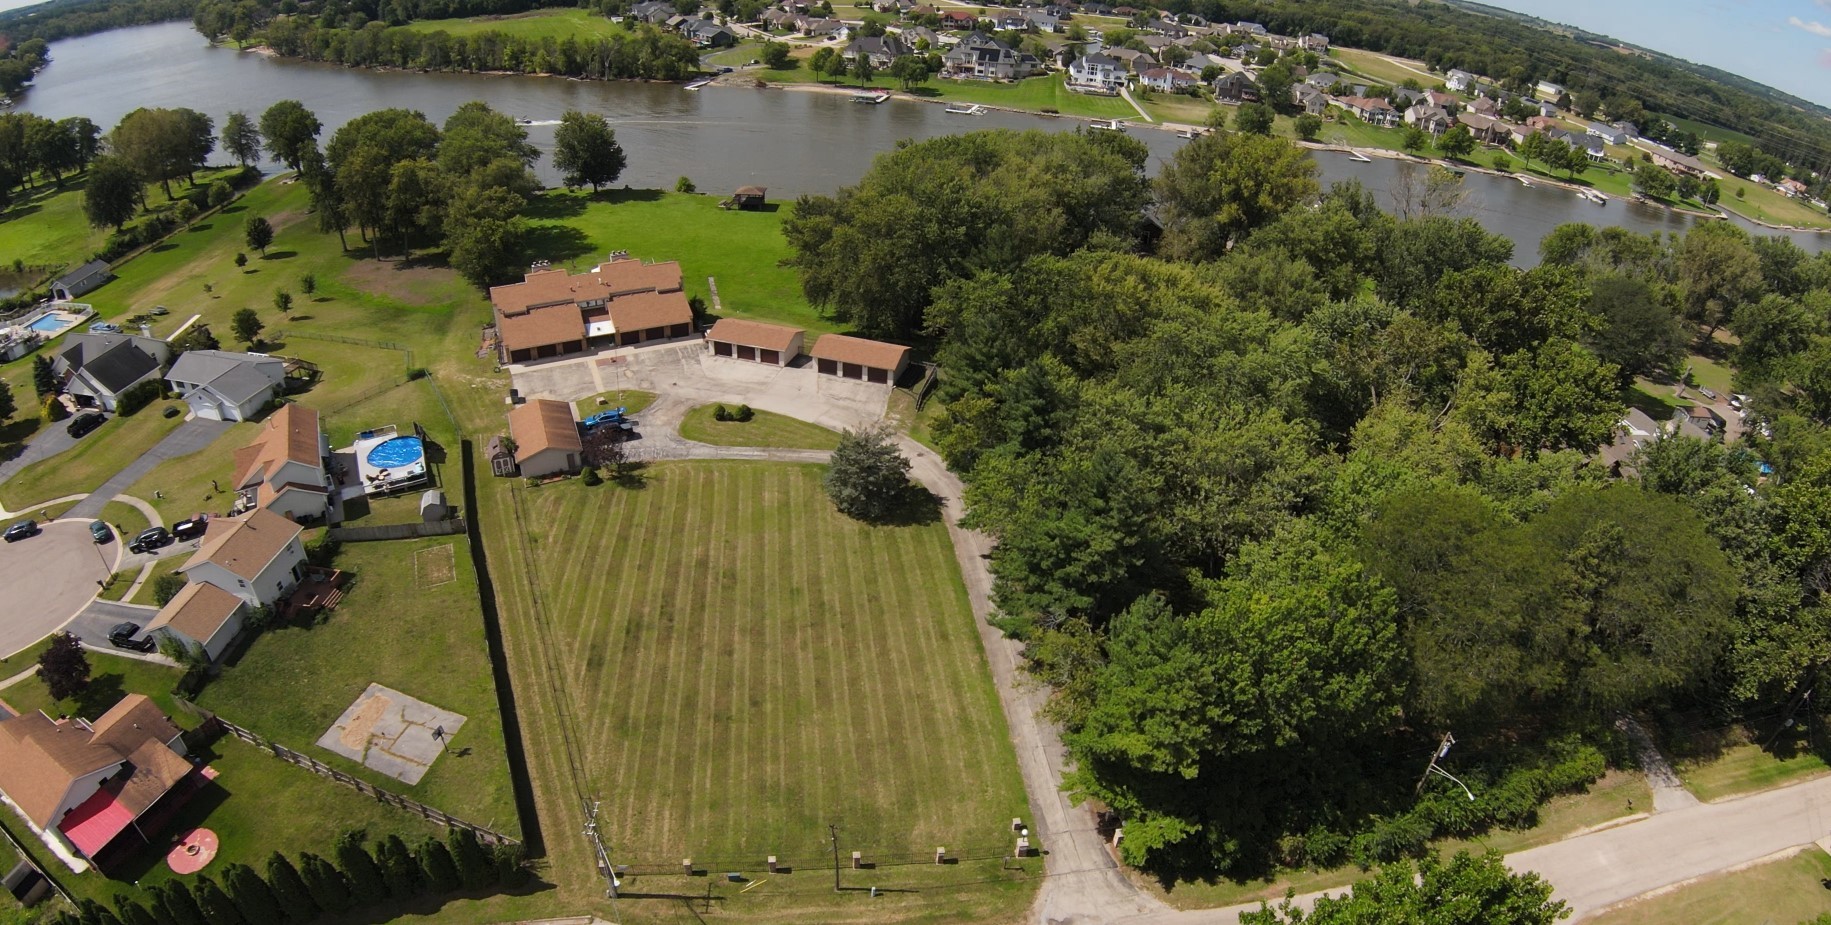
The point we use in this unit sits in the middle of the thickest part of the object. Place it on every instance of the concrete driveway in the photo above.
(47, 579)
(188, 438)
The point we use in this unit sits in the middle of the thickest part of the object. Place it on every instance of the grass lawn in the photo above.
(23, 659)
(538, 24)
(118, 583)
(765, 429)
(411, 623)
(164, 566)
(1382, 69)
(84, 467)
(1746, 768)
(1710, 374)
(1763, 204)
(1187, 110)
(919, 425)
(737, 55)
(742, 667)
(1608, 798)
(1709, 132)
(632, 401)
(1785, 891)
(110, 678)
(185, 481)
(46, 227)
(1654, 400)
(126, 519)
(742, 250)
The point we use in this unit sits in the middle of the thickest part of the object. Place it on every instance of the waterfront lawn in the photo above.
(737, 55)
(1048, 93)
(1788, 890)
(537, 24)
(84, 467)
(764, 429)
(1186, 110)
(742, 667)
(411, 622)
(1765, 204)
(742, 250)
(45, 227)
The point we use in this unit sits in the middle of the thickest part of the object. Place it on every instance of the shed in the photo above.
(502, 462)
(858, 358)
(80, 280)
(749, 197)
(774, 344)
(433, 507)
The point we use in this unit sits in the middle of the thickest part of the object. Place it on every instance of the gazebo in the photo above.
(749, 197)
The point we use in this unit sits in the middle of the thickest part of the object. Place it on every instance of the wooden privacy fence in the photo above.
(213, 723)
(447, 527)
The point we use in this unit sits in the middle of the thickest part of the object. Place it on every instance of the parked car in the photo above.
(84, 423)
(104, 327)
(173, 411)
(159, 310)
(190, 529)
(100, 531)
(122, 637)
(150, 539)
(21, 530)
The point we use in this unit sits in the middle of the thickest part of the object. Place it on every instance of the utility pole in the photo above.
(833, 831)
(601, 855)
(1443, 748)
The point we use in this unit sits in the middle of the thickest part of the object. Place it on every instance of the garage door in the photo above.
(877, 375)
(772, 357)
(721, 348)
(746, 353)
(852, 370)
(828, 367)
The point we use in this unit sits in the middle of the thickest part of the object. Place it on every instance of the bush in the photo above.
(54, 410)
(166, 587)
(185, 211)
(417, 372)
(744, 414)
(131, 401)
(590, 476)
(322, 551)
(720, 413)
(685, 185)
(220, 194)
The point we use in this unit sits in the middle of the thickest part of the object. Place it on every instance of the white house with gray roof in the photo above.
(97, 368)
(221, 385)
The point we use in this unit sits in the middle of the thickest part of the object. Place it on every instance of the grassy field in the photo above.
(410, 623)
(46, 227)
(1709, 132)
(126, 519)
(1381, 68)
(765, 429)
(1763, 204)
(741, 667)
(1609, 798)
(1710, 374)
(1779, 892)
(185, 481)
(632, 401)
(742, 250)
(1745, 769)
(110, 677)
(538, 24)
(83, 467)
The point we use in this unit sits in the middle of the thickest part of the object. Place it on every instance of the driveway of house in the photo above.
(50, 440)
(46, 579)
(188, 438)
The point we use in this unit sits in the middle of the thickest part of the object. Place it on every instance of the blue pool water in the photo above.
(397, 453)
(48, 323)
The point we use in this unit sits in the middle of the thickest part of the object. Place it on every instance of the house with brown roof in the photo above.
(282, 468)
(201, 615)
(257, 557)
(101, 790)
(618, 303)
(858, 358)
(546, 437)
(757, 341)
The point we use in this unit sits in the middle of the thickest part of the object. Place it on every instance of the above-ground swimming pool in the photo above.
(396, 453)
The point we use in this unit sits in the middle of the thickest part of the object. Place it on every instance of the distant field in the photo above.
(1707, 131)
(538, 24)
(1382, 68)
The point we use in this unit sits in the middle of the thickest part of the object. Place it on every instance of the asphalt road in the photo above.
(48, 578)
(188, 438)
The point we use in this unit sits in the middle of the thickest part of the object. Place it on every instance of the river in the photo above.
(792, 142)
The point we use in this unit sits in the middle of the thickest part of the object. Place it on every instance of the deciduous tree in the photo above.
(258, 232)
(291, 130)
(112, 193)
(868, 478)
(248, 326)
(1219, 187)
(585, 150)
(241, 138)
(64, 667)
(1467, 890)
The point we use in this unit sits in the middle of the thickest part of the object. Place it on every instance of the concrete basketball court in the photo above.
(47, 579)
(392, 733)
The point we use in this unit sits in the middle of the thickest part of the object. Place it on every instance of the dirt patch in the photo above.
(412, 285)
(434, 566)
(355, 736)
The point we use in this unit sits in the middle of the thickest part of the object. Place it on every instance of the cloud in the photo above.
(1815, 27)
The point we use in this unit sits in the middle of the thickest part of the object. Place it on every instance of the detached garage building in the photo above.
(202, 614)
(857, 358)
(546, 437)
(775, 344)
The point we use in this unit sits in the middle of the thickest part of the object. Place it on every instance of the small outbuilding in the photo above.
(80, 280)
(433, 507)
(546, 437)
(502, 462)
(756, 341)
(750, 197)
(858, 358)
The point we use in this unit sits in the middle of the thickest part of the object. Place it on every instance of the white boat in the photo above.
(871, 97)
(1357, 156)
(1524, 182)
(1594, 197)
(695, 85)
(1109, 125)
(1190, 133)
(971, 109)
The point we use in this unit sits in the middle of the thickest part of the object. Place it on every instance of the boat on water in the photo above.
(1359, 157)
(1595, 197)
(1190, 133)
(870, 96)
(968, 109)
(1524, 182)
(695, 85)
(1109, 125)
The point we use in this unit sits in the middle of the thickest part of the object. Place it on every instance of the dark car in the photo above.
(173, 411)
(149, 540)
(190, 529)
(21, 530)
(100, 531)
(84, 423)
(122, 637)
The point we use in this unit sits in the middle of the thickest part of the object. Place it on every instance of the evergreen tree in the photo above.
(131, 912)
(44, 379)
(250, 894)
(289, 889)
(94, 913)
(475, 868)
(217, 908)
(398, 868)
(441, 870)
(326, 885)
(177, 905)
(869, 476)
(367, 886)
(511, 865)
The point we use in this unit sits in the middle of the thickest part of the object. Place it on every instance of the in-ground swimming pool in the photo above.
(396, 453)
(49, 323)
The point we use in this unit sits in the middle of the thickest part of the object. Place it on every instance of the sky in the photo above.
(1785, 44)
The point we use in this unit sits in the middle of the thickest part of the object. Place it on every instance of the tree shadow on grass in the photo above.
(201, 226)
(554, 207)
(102, 692)
(917, 507)
(558, 243)
(618, 196)
(279, 255)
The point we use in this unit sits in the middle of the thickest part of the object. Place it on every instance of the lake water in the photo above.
(792, 142)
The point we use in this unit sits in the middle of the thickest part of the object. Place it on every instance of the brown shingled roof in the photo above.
(135, 717)
(554, 324)
(288, 435)
(624, 276)
(543, 424)
(753, 333)
(857, 350)
(198, 611)
(645, 310)
(246, 544)
(156, 770)
(40, 758)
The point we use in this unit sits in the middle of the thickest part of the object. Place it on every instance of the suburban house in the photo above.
(757, 341)
(881, 50)
(654, 11)
(916, 35)
(1044, 21)
(546, 437)
(1679, 163)
(282, 468)
(1486, 129)
(1309, 99)
(1235, 88)
(1322, 80)
(1459, 80)
(1442, 100)
(1485, 106)
(708, 34)
(958, 19)
(1096, 72)
(1607, 133)
(1542, 124)
(1627, 128)
(80, 280)
(824, 28)
(220, 385)
(1429, 118)
(99, 790)
(256, 557)
(202, 615)
(1792, 188)
(619, 302)
(778, 19)
(1548, 90)
(858, 358)
(1698, 421)
(1134, 60)
(980, 57)
(1248, 28)
(97, 368)
(1372, 110)
(1315, 41)
(1168, 79)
